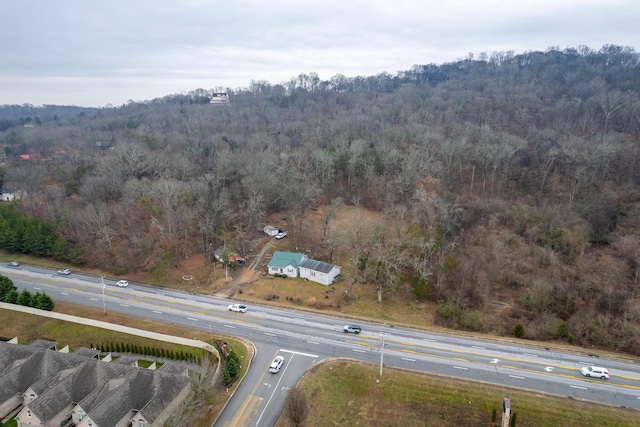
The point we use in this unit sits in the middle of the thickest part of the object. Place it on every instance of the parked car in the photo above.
(275, 366)
(122, 283)
(238, 308)
(13, 264)
(64, 271)
(595, 371)
(281, 235)
(352, 329)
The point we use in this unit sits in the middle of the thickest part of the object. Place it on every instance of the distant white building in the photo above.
(9, 195)
(219, 98)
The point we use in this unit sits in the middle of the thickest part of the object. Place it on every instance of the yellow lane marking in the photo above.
(240, 416)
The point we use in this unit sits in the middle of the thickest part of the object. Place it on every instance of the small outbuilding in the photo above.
(270, 231)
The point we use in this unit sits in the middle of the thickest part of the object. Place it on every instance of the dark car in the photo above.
(352, 329)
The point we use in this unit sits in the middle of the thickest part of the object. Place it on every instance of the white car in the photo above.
(281, 235)
(595, 371)
(238, 308)
(275, 366)
(122, 283)
(64, 272)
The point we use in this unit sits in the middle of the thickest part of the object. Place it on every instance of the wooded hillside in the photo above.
(503, 179)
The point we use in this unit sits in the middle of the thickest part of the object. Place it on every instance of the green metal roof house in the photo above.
(285, 263)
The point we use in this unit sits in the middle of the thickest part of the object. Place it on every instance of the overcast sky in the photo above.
(90, 53)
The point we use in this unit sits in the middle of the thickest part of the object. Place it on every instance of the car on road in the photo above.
(122, 283)
(352, 329)
(13, 264)
(238, 308)
(64, 272)
(281, 235)
(275, 366)
(595, 371)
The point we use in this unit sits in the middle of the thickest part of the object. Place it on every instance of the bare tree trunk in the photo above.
(473, 174)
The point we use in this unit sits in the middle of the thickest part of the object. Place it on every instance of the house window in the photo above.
(89, 423)
(140, 424)
(28, 413)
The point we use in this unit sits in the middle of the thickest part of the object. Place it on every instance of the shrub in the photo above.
(226, 378)
(448, 309)
(473, 321)
(518, 331)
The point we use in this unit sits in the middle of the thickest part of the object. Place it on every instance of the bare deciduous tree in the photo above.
(297, 409)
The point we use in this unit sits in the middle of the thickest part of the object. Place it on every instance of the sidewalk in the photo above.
(114, 327)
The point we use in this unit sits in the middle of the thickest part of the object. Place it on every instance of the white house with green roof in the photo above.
(287, 263)
(294, 264)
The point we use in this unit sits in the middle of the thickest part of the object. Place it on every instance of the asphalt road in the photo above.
(304, 338)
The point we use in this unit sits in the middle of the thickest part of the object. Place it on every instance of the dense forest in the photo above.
(504, 180)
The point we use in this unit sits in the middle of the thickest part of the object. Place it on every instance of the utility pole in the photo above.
(384, 329)
(104, 303)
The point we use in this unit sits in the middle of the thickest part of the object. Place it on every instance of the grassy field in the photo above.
(345, 393)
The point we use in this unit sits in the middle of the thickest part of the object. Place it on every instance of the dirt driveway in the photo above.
(244, 275)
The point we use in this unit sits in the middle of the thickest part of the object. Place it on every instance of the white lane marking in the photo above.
(298, 353)
(93, 299)
(313, 342)
(575, 386)
(157, 312)
(229, 326)
(478, 347)
(270, 334)
(460, 367)
(124, 305)
(549, 368)
(408, 359)
(529, 354)
(192, 319)
(494, 360)
(64, 293)
(516, 377)
(358, 350)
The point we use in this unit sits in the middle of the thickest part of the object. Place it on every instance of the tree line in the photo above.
(9, 294)
(501, 177)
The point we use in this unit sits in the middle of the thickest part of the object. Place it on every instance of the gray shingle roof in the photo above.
(314, 265)
(107, 392)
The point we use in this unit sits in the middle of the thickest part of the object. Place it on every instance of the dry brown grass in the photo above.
(345, 393)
